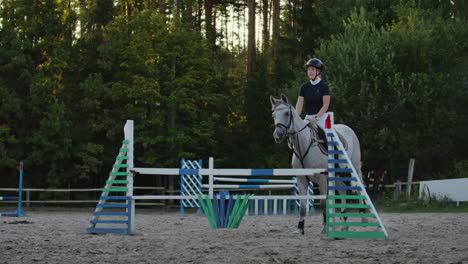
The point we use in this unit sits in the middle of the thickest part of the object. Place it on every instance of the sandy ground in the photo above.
(58, 236)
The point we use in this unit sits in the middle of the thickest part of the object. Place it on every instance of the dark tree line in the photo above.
(72, 72)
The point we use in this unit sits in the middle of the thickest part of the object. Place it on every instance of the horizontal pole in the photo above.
(249, 186)
(149, 188)
(75, 190)
(141, 188)
(252, 180)
(255, 197)
(8, 198)
(72, 201)
(228, 172)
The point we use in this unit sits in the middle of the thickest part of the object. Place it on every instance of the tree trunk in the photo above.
(251, 38)
(276, 27)
(199, 15)
(128, 8)
(82, 22)
(162, 7)
(274, 47)
(187, 16)
(460, 8)
(209, 28)
(139, 5)
(265, 32)
(175, 11)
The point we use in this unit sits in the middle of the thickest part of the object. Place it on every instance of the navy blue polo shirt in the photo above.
(313, 96)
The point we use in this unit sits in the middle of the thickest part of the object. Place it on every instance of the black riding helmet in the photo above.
(315, 63)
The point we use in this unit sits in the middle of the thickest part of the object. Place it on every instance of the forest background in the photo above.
(196, 76)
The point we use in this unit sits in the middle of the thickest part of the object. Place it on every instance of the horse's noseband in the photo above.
(288, 127)
(279, 125)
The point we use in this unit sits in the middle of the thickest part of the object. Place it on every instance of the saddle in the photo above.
(321, 138)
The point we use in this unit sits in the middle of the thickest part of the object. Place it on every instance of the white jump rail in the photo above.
(255, 197)
(228, 172)
(248, 180)
(192, 185)
(211, 172)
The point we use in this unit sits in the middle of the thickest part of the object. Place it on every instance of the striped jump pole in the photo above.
(126, 153)
(256, 206)
(252, 180)
(127, 171)
(212, 172)
(190, 184)
(250, 186)
(227, 172)
(291, 183)
(19, 210)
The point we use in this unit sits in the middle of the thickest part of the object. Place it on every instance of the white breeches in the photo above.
(321, 120)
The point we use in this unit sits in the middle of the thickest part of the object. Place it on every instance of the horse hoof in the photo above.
(300, 227)
(298, 232)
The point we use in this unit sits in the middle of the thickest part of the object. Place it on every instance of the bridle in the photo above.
(288, 134)
(290, 123)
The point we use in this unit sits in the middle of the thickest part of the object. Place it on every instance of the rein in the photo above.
(295, 133)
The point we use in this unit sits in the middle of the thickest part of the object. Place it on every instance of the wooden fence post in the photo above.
(410, 176)
(397, 190)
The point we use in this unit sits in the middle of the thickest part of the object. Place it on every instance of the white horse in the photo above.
(307, 153)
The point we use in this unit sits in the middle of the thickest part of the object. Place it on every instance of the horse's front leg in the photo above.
(302, 185)
(323, 188)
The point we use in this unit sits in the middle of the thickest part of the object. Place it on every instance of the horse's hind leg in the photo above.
(363, 211)
(357, 166)
(322, 182)
(343, 201)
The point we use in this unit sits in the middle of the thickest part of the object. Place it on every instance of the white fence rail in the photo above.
(27, 200)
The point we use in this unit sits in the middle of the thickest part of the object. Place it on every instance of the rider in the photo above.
(315, 94)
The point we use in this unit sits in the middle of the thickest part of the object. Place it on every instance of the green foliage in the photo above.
(72, 72)
(389, 81)
(461, 169)
(159, 76)
(68, 107)
(6, 139)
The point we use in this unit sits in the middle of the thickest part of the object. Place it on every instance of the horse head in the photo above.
(283, 116)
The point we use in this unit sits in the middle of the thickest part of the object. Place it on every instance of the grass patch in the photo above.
(413, 204)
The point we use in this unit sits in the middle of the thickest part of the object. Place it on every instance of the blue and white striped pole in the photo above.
(190, 184)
